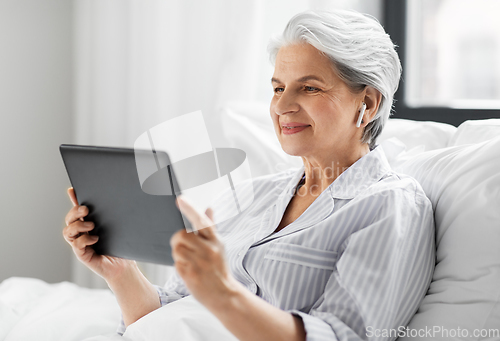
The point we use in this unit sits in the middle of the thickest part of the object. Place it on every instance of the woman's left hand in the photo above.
(200, 259)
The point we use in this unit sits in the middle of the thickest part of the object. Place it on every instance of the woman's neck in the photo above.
(321, 171)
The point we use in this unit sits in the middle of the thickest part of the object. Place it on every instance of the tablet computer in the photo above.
(129, 222)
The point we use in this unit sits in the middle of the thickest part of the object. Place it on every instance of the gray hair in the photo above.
(361, 52)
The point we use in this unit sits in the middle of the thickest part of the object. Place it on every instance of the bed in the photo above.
(459, 169)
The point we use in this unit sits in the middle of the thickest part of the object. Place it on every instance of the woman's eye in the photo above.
(310, 89)
(276, 90)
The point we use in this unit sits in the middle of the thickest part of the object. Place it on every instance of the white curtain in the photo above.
(141, 62)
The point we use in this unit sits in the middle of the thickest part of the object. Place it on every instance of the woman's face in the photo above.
(313, 110)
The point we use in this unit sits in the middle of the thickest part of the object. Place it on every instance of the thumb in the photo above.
(72, 196)
(210, 213)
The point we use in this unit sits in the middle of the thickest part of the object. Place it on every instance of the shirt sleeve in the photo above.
(382, 274)
(173, 290)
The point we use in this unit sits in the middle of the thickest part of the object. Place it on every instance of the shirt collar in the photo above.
(362, 174)
(359, 176)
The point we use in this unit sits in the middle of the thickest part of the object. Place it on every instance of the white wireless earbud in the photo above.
(361, 113)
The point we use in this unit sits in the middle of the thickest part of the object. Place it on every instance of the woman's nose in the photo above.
(286, 104)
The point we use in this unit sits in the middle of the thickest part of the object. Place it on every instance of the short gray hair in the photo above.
(361, 51)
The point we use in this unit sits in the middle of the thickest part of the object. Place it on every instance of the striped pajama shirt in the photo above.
(360, 258)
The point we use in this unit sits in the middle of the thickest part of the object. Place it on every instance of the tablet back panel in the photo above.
(130, 223)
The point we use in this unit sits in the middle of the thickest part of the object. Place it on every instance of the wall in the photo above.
(35, 117)
(36, 86)
(140, 63)
(276, 14)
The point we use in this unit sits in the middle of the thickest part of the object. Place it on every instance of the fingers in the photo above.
(201, 222)
(210, 231)
(76, 229)
(192, 253)
(182, 254)
(190, 212)
(81, 243)
(76, 234)
(186, 240)
(210, 213)
(72, 196)
(76, 213)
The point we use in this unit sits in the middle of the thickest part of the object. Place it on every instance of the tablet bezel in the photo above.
(130, 223)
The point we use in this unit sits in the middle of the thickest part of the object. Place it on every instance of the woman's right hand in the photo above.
(76, 233)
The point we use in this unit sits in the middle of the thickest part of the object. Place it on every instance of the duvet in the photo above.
(31, 309)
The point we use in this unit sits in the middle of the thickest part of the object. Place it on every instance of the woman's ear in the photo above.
(372, 98)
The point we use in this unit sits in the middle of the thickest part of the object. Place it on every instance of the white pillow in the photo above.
(430, 135)
(248, 126)
(476, 131)
(463, 184)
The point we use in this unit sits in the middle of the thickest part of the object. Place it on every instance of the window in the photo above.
(450, 51)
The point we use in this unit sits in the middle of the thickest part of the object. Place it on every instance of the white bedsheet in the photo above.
(183, 320)
(31, 309)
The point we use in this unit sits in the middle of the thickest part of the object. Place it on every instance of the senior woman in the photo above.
(341, 249)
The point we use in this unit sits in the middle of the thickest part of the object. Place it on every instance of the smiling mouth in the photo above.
(290, 127)
(288, 130)
(294, 125)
